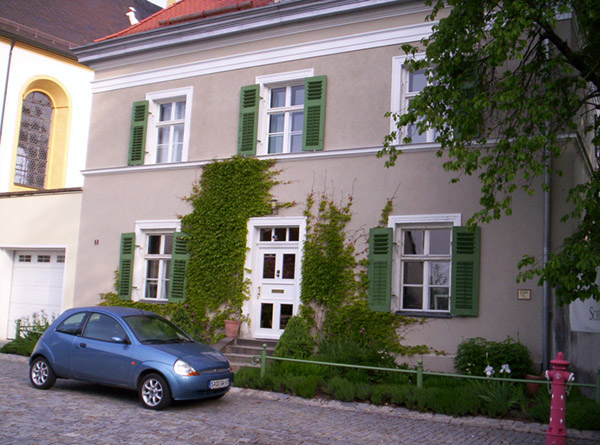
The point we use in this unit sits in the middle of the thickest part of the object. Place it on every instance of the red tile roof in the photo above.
(65, 24)
(188, 10)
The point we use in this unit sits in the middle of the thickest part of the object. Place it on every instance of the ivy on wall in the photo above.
(228, 193)
(334, 284)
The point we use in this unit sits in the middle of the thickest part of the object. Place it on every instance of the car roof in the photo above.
(120, 311)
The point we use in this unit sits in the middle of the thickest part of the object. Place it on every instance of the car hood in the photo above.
(197, 355)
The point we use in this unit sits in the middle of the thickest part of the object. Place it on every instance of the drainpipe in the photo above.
(546, 291)
(12, 45)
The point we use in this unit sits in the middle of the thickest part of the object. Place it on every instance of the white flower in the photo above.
(505, 368)
(488, 371)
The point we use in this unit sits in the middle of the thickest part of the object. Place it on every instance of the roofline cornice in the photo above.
(278, 14)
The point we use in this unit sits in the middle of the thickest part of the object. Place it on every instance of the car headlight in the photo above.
(182, 368)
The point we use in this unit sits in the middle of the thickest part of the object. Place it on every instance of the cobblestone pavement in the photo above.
(78, 413)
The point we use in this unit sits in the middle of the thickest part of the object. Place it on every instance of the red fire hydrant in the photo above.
(557, 431)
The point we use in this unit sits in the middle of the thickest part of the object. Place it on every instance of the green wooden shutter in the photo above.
(465, 272)
(471, 127)
(248, 125)
(137, 141)
(380, 268)
(126, 266)
(179, 262)
(315, 90)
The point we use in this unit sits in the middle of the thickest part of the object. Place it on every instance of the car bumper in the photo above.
(197, 387)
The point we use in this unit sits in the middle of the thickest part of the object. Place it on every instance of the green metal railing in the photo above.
(262, 359)
(24, 329)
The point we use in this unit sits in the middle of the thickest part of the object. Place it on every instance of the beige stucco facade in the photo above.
(356, 54)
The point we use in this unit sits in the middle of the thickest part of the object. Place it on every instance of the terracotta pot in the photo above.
(232, 328)
(532, 388)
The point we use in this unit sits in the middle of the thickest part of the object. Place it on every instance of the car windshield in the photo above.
(152, 329)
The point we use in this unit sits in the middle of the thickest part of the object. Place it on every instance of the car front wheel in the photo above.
(154, 392)
(41, 374)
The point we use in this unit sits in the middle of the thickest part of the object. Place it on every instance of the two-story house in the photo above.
(44, 125)
(306, 83)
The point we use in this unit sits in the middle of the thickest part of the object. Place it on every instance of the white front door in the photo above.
(276, 280)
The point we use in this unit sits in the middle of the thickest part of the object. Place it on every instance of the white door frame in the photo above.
(253, 269)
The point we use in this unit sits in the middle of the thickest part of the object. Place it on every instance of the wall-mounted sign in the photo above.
(585, 316)
(524, 294)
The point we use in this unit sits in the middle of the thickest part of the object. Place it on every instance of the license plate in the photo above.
(216, 384)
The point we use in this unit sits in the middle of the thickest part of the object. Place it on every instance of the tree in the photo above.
(505, 85)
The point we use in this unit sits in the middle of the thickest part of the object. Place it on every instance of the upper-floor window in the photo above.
(283, 113)
(34, 141)
(406, 85)
(160, 127)
(170, 128)
(286, 119)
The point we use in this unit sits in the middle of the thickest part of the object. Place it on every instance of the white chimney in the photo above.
(131, 15)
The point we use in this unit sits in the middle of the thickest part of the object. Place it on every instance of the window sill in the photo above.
(429, 314)
(152, 300)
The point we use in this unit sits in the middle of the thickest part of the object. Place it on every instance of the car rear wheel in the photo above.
(154, 392)
(41, 374)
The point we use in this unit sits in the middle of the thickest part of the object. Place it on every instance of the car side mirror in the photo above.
(121, 340)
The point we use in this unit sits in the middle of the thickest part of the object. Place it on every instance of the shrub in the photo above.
(39, 322)
(382, 394)
(296, 341)
(308, 386)
(453, 402)
(474, 354)
(363, 391)
(498, 397)
(22, 345)
(350, 352)
(341, 389)
(247, 377)
(581, 412)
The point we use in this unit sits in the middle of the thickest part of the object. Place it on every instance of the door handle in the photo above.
(82, 345)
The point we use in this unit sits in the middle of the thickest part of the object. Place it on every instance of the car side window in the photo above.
(72, 325)
(103, 327)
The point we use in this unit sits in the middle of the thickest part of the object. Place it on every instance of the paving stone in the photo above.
(81, 413)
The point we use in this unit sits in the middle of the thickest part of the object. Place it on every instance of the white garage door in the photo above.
(37, 284)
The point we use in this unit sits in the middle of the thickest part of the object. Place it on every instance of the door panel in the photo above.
(276, 288)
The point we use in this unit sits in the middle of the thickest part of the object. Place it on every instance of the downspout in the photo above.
(12, 45)
(546, 290)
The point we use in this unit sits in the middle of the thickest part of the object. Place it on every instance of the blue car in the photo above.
(129, 348)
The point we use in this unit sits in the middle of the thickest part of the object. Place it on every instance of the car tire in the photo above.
(41, 375)
(154, 392)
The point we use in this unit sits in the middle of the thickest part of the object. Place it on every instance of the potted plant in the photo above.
(233, 320)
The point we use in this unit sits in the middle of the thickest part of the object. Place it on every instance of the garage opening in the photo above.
(36, 285)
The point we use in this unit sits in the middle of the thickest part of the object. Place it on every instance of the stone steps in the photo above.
(240, 351)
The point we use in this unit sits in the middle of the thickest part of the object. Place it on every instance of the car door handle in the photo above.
(82, 345)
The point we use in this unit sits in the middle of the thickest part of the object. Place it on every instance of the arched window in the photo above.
(34, 141)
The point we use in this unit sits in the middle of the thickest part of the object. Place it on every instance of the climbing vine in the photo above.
(228, 193)
(334, 283)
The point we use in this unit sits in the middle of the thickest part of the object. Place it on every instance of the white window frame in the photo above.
(155, 99)
(143, 229)
(400, 222)
(266, 83)
(399, 101)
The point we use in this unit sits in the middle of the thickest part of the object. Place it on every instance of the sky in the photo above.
(161, 3)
